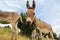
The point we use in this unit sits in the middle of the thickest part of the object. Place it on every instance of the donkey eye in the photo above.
(26, 13)
(34, 14)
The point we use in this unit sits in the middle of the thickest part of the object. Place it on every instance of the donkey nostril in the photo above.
(28, 22)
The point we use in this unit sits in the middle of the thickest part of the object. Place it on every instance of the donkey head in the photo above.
(30, 13)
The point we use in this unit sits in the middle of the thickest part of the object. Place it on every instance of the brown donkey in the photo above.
(39, 24)
(11, 17)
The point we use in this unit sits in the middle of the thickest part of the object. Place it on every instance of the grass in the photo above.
(5, 34)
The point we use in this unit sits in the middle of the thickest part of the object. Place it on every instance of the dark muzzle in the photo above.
(28, 23)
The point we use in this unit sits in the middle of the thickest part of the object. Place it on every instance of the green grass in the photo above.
(5, 34)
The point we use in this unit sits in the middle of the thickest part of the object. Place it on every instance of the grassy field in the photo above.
(5, 34)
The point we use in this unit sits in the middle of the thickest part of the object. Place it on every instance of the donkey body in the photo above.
(11, 17)
(43, 27)
(39, 24)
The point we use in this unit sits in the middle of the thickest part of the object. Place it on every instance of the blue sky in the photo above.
(46, 10)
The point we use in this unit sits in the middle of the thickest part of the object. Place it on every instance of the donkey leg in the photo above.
(41, 37)
(13, 36)
(16, 35)
(47, 37)
(14, 32)
(33, 34)
(40, 32)
(51, 33)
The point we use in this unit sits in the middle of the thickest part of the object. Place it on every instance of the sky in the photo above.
(46, 10)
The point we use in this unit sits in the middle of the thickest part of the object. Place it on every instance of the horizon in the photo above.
(46, 10)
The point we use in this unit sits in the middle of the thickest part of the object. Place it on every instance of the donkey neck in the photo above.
(37, 22)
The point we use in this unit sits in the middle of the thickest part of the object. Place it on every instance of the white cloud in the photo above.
(9, 5)
(13, 4)
(42, 1)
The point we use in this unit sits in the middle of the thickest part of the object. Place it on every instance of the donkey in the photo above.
(43, 27)
(39, 24)
(11, 17)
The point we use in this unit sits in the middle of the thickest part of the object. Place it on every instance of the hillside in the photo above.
(5, 34)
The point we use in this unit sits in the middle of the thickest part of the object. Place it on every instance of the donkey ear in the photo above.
(33, 5)
(27, 4)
